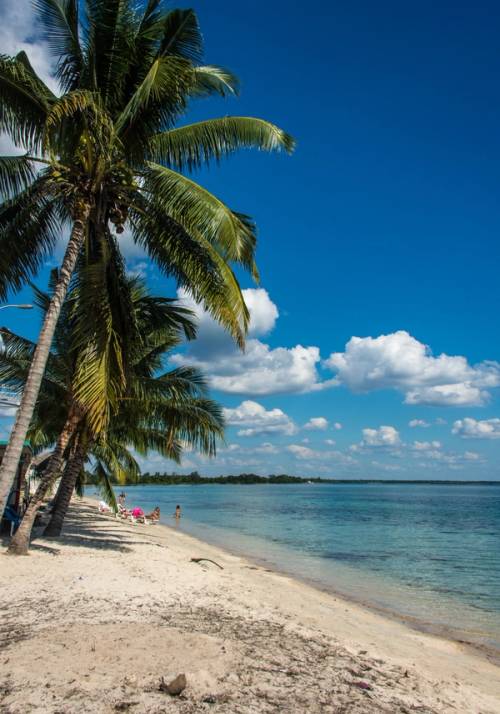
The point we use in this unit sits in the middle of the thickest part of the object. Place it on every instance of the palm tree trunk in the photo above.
(65, 491)
(20, 543)
(8, 467)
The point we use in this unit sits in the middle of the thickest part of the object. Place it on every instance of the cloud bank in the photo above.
(399, 361)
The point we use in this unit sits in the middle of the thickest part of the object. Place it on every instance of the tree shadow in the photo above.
(84, 528)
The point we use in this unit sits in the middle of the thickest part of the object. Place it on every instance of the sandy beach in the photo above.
(95, 621)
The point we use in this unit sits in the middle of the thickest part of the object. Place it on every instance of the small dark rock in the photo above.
(124, 706)
(175, 687)
(210, 699)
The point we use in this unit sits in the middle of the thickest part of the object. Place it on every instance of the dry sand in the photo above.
(93, 621)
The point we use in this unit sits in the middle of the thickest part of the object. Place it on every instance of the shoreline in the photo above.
(249, 639)
(418, 624)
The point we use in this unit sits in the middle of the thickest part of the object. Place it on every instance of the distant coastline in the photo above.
(195, 479)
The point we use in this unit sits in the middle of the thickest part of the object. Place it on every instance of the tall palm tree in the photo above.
(154, 412)
(106, 153)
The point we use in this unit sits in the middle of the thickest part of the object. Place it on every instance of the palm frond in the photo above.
(60, 21)
(193, 145)
(199, 212)
(16, 174)
(25, 103)
(210, 79)
(105, 486)
(182, 36)
(163, 89)
(29, 227)
(196, 265)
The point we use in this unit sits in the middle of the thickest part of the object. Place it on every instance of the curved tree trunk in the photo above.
(65, 491)
(10, 461)
(20, 542)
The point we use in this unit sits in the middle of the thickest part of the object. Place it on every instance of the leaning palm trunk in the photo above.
(19, 544)
(12, 454)
(65, 491)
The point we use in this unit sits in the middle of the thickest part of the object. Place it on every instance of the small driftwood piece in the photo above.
(198, 560)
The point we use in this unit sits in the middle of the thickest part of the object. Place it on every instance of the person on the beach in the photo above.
(177, 513)
(154, 515)
(121, 500)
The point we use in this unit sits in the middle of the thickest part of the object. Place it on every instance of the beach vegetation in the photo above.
(164, 410)
(106, 158)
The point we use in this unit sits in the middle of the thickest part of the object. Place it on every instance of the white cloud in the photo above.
(305, 453)
(399, 361)
(266, 448)
(337, 426)
(258, 370)
(257, 420)
(425, 445)
(469, 428)
(138, 270)
(419, 422)
(302, 452)
(386, 467)
(317, 423)
(383, 436)
(6, 412)
(330, 442)
(19, 30)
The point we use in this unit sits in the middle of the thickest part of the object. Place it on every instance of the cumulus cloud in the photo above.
(469, 428)
(337, 426)
(399, 361)
(330, 442)
(258, 370)
(419, 422)
(317, 423)
(305, 453)
(383, 436)
(257, 420)
(425, 445)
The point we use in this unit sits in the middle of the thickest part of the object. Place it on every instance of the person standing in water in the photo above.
(177, 513)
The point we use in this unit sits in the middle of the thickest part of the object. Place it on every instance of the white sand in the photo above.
(93, 621)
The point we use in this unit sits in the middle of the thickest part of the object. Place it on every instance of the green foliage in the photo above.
(127, 75)
(156, 410)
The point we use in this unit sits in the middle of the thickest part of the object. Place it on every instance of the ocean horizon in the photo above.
(425, 553)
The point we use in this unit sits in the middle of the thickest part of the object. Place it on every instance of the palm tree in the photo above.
(154, 412)
(106, 153)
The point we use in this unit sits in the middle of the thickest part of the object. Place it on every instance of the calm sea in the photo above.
(428, 553)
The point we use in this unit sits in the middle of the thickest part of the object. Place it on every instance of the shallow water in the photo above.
(429, 553)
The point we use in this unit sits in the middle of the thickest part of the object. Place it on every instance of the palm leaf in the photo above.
(191, 146)
(24, 104)
(182, 36)
(201, 213)
(60, 22)
(16, 174)
(210, 79)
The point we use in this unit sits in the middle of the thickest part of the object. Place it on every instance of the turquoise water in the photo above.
(428, 553)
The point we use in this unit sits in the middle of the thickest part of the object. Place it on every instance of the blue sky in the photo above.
(382, 226)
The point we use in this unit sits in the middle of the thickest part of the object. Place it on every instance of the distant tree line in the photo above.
(194, 478)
